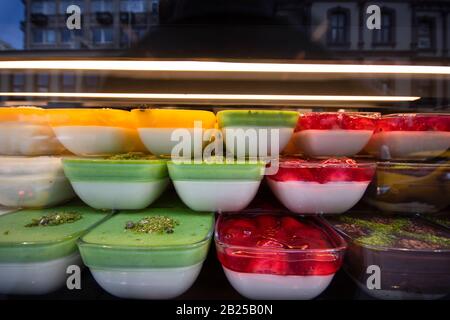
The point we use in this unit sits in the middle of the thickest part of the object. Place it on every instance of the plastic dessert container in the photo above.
(413, 256)
(156, 127)
(95, 132)
(33, 182)
(34, 259)
(130, 181)
(255, 133)
(150, 254)
(25, 131)
(406, 187)
(278, 256)
(320, 186)
(220, 187)
(407, 136)
(327, 134)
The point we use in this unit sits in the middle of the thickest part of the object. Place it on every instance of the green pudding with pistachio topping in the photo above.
(159, 237)
(45, 234)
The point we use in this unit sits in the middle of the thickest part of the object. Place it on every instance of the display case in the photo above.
(270, 128)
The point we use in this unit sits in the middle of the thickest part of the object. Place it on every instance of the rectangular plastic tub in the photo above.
(278, 256)
(392, 257)
(154, 264)
(410, 187)
(33, 260)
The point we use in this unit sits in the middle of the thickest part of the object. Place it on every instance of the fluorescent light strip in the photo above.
(209, 66)
(182, 96)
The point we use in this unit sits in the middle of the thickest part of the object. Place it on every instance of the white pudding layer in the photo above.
(154, 283)
(276, 287)
(313, 197)
(36, 277)
(256, 141)
(159, 141)
(119, 195)
(321, 143)
(97, 140)
(24, 139)
(409, 144)
(217, 195)
(35, 190)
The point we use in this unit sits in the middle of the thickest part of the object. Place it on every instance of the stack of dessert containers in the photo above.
(393, 253)
(31, 172)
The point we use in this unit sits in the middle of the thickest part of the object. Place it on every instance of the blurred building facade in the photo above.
(411, 32)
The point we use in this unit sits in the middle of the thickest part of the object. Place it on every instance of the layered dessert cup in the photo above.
(217, 186)
(37, 247)
(396, 257)
(33, 182)
(256, 133)
(329, 186)
(150, 254)
(407, 136)
(278, 256)
(162, 130)
(410, 187)
(25, 131)
(329, 134)
(95, 132)
(122, 182)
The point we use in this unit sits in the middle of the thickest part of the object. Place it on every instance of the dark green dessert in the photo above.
(392, 232)
(412, 254)
(45, 234)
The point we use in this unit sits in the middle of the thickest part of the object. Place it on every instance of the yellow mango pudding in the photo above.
(95, 132)
(158, 129)
(24, 131)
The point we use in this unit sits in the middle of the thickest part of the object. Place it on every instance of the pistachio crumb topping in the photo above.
(55, 219)
(130, 156)
(156, 224)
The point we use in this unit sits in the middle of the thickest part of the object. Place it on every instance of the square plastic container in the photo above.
(410, 136)
(128, 182)
(396, 257)
(329, 186)
(156, 127)
(33, 182)
(278, 256)
(219, 187)
(158, 265)
(34, 260)
(95, 132)
(334, 134)
(256, 133)
(25, 131)
(410, 187)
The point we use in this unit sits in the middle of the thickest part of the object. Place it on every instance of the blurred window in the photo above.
(136, 6)
(338, 20)
(102, 35)
(385, 35)
(44, 36)
(46, 7)
(102, 6)
(425, 33)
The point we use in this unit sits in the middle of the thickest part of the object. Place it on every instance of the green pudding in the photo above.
(114, 244)
(24, 240)
(257, 118)
(216, 171)
(120, 168)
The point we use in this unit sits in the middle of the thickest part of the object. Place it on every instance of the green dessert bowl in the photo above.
(148, 254)
(122, 182)
(255, 133)
(37, 247)
(218, 186)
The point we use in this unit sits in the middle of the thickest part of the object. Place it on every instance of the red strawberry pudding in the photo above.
(325, 134)
(320, 186)
(410, 136)
(278, 256)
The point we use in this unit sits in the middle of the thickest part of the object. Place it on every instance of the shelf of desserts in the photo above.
(135, 244)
